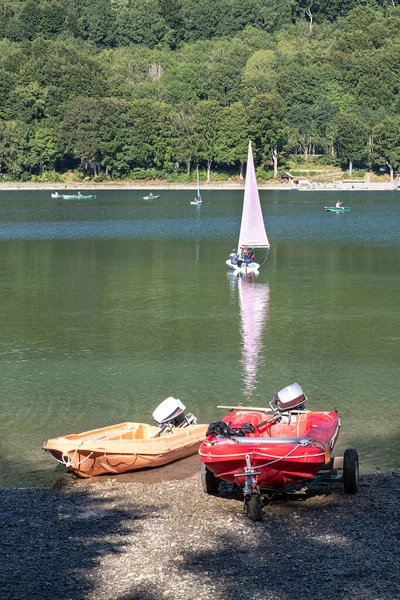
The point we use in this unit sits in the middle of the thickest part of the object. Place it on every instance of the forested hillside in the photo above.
(150, 88)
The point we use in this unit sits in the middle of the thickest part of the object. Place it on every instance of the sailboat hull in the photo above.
(245, 268)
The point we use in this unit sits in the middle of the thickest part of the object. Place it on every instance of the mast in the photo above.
(252, 228)
(198, 185)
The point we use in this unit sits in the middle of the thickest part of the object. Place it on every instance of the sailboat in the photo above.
(198, 199)
(253, 235)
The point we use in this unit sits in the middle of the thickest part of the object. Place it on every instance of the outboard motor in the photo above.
(288, 398)
(170, 414)
(291, 396)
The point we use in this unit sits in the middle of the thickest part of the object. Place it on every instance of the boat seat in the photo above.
(268, 440)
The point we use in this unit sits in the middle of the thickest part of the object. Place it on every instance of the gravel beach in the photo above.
(156, 535)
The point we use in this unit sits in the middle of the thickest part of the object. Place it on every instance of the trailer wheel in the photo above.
(209, 482)
(253, 507)
(350, 471)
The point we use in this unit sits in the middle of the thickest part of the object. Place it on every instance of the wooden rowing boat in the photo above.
(124, 447)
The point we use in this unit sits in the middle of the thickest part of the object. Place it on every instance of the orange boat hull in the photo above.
(123, 447)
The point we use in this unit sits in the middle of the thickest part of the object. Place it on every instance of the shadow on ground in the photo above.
(51, 543)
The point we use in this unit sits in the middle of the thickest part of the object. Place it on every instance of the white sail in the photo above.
(252, 229)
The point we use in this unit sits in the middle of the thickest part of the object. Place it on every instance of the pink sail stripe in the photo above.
(254, 300)
(252, 229)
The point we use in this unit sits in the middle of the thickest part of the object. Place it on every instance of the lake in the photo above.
(110, 305)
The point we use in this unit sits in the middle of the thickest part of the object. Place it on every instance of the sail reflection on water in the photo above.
(254, 301)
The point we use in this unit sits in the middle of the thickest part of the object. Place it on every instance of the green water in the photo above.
(110, 305)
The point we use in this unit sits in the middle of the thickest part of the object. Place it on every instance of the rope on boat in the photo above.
(277, 458)
(263, 256)
(283, 457)
(70, 463)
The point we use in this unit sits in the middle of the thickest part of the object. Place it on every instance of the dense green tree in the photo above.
(351, 139)
(115, 134)
(386, 146)
(151, 134)
(6, 16)
(268, 127)
(235, 136)
(45, 147)
(28, 102)
(99, 23)
(325, 114)
(141, 22)
(302, 129)
(225, 63)
(171, 11)
(208, 130)
(14, 145)
(65, 69)
(260, 73)
(183, 121)
(81, 120)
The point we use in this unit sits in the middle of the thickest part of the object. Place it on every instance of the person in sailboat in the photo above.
(250, 256)
(234, 257)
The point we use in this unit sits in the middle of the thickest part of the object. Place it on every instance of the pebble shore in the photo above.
(149, 537)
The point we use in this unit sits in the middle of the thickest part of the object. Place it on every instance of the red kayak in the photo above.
(258, 448)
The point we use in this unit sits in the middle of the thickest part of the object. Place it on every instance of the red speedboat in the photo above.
(264, 450)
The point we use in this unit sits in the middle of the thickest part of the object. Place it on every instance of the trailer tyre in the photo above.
(350, 471)
(209, 482)
(253, 506)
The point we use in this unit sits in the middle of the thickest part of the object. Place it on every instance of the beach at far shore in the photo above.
(332, 187)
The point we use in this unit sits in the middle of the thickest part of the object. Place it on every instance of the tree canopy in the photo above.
(121, 88)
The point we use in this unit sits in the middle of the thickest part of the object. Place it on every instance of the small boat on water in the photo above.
(253, 236)
(149, 197)
(198, 199)
(72, 196)
(267, 452)
(337, 208)
(130, 446)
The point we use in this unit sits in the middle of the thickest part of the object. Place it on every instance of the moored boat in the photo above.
(253, 236)
(130, 446)
(72, 196)
(266, 451)
(198, 199)
(149, 197)
(78, 197)
(337, 208)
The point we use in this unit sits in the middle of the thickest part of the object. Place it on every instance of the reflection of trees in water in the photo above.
(253, 300)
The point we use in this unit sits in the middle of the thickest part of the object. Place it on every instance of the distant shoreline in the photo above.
(356, 186)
